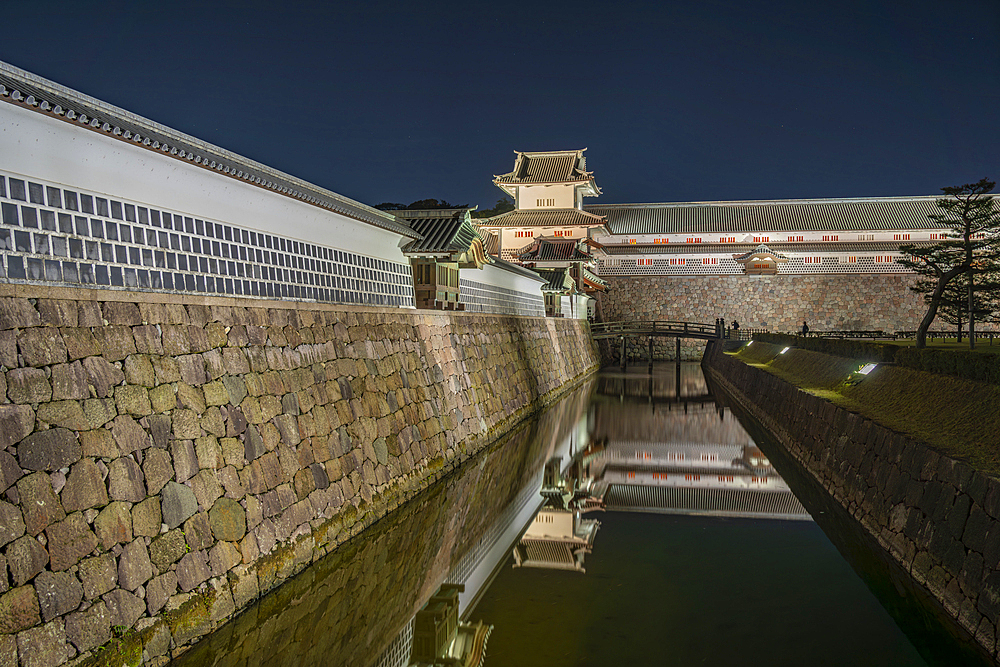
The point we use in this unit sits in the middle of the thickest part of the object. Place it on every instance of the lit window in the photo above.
(644, 262)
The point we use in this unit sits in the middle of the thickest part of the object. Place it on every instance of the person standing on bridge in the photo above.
(805, 329)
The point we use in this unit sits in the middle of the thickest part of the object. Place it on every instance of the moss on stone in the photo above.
(956, 417)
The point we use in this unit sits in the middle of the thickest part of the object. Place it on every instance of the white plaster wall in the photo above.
(563, 193)
(53, 151)
(493, 275)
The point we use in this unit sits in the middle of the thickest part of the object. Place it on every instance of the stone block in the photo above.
(186, 426)
(320, 478)
(304, 482)
(161, 430)
(116, 341)
(98, 444)
(28, 385)
(228, 520)
(158, 470)
(114, 524)
(233, 454)
(26, 558)
(129, 435)
(167, 549)
(288, 427)
(99, 411)
(253, 444)
(198, 532)
(177, 504)
(192, 571)
(84, 487)
(121, 312)
(67, 414)
(80, 343)
(223, 557)
(167, 370)
(159, 591)
(134, 566)
(134, 400)
(185, 460)
(236, 422)
(43, 646)
(146, 518)
(147, 339)
(123, 607)
(102, 375)
(89, 629)
(98, 574)
(206, 488)
(12, 524)
(10, 471)
(126, 481)
(230, 480)
(39, 503)
(209, 453)
(58, 594)
(19, 609)
(49, 450)
(216, 393)
(212, 422)
(69, 382)
(191, 398)
(139, 370)
(8, 650)
(235, 386)
(42, 346)
(162, 398)
(192, 369)
(57, 312)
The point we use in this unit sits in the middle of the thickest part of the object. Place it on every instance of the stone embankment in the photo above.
(779, 303)
(165, 460)
(935, 517)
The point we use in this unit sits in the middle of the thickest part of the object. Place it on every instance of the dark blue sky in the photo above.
(676, 101)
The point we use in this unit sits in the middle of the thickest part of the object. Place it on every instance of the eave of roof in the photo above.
(29, 91)
(545, 217)
(798, 215)
(789, 248)
(444, 231)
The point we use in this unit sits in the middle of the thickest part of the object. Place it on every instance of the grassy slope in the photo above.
(957, 417)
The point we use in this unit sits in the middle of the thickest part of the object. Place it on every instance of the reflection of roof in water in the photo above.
(712, 502)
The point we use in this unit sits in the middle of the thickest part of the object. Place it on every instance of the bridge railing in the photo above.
(654, 327)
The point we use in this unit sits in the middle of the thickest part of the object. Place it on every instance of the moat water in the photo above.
(635, 522)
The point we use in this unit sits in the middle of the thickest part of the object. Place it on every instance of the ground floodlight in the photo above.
(785, 350)
(867, 368)
(750, 343)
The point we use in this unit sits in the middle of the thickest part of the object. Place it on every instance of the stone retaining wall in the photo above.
(164, 460)
(779, 303)
(937, 518)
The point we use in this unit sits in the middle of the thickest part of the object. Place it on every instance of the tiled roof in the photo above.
(593, 278)
(553, 250)
(547, 167)
(557, 280)
(762, 249)
(544, 217)
(33, 92)
(869, 214)
(443, 230)
(730, 248)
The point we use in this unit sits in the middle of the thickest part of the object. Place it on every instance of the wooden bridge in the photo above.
(657, 328)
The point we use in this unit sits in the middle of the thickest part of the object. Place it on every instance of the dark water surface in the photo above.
(664, 537)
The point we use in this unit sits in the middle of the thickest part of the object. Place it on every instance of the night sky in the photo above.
(676, 101)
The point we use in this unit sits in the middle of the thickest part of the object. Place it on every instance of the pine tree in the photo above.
(974, 221)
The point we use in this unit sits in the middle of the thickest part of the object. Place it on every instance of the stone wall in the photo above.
(779, 303)
(165, 460)
(936, 518)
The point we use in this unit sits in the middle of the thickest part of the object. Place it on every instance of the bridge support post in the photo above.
(651, 354)
(623, 361)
